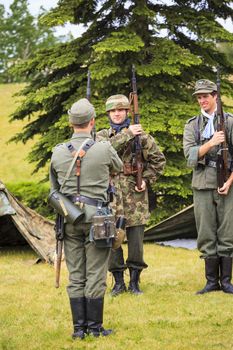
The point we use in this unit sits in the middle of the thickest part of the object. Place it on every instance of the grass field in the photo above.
(168, 316)
(14, 165)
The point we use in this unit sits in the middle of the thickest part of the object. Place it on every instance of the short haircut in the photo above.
(81, 126)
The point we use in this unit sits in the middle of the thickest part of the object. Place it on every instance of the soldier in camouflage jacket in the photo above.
(129, 201)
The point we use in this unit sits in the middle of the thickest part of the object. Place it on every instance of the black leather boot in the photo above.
(226, 274)
(134, 281)
(119, 286)
(78, 309)
(95, 308)
(212, 275)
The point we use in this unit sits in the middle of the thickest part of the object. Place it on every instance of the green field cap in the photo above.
(81, 112)
(204, 86)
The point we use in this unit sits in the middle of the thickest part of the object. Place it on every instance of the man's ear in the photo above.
(92, 122)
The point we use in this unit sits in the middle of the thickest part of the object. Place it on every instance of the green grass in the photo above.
(14, 165)
(168, 316)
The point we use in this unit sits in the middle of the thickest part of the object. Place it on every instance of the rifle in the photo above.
(59, 228)
(89, 99)
(88, 85)
(222, 154)
(137, 162)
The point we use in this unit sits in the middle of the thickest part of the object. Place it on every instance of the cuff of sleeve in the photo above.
(129, 133)
(193, 157)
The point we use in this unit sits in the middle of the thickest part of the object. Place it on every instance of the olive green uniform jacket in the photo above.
(87, 264)
(213, 212)
(134, 205)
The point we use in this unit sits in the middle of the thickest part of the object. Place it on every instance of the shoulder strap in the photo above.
(78, 156)
(72, 164)
(197, 130)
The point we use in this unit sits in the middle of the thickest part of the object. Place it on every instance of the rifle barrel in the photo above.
(89, 85)
(222, 161)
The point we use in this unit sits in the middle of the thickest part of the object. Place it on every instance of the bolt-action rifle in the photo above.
(137, 162)
(88, 85)
(222, 154)
(89, 99)
(59, 228)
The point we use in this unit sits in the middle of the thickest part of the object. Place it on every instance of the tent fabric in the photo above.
(27, 226)
(180, 225)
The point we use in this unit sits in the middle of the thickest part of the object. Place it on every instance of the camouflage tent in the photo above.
(180, 225)
(21, 225)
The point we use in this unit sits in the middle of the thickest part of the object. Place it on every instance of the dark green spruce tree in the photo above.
(171, 46)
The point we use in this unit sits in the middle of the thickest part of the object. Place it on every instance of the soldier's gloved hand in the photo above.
(135, 129)
(142, 188)
(217, 138)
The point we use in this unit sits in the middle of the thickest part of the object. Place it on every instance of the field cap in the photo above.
(204, 86)
(81, 112)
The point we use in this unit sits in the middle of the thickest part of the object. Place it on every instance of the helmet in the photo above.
(117, 102)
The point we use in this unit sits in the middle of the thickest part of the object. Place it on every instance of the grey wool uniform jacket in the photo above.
(204, 176)
(96, 166)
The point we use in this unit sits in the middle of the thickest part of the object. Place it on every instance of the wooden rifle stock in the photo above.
(222, 154)
(58, 263)
(137, 157)
(59, 228)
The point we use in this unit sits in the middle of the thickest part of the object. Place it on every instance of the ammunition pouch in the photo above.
(64, 206)
(129, 169)
(120, 232)
(103, 229)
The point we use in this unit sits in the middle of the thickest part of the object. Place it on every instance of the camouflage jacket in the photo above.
(133, 205)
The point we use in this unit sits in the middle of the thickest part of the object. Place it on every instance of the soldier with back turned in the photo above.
(86, 262)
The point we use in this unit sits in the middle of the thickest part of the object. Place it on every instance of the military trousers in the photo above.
(135, 260)
(87, 265)
(214, 220)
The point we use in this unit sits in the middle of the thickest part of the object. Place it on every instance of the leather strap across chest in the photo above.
(78, 155)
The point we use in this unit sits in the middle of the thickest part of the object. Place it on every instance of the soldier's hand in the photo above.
(142, 188)
(217, 138)
(136, 129)
(225, 188)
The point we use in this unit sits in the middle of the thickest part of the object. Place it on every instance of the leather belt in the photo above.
(88, 200)
(211, 163)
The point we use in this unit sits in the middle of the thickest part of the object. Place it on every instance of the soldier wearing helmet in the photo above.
(130, 201)
(212, 205)
(86, 262)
